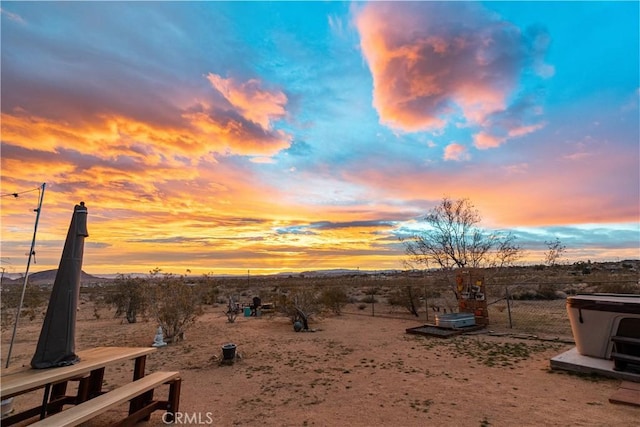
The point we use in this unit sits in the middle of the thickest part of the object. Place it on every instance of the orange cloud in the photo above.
(109, 137)
(255, 104)
(229, 136)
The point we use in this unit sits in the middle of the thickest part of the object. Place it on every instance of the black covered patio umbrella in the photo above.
(56, 345)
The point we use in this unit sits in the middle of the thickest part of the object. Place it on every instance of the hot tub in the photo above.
(595, 318)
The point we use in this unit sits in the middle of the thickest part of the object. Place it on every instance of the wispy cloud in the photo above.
(12, 16)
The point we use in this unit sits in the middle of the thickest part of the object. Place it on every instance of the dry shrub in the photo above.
(129, 296)
(407, 297)
(35, 298)
(175, 305)
(334, 298)
(619, 288)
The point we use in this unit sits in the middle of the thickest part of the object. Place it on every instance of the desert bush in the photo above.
(547, 292)
(35, 298)
(544, 291)
(208, 290)
(334, 298)
(175, 305)
(619, 288)
(433, 293)
(407, 297)
(369, 299)
(129, 296)
(233, 309)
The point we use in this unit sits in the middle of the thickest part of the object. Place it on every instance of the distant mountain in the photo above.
(338, 272)
(48, 277)
(115, 276)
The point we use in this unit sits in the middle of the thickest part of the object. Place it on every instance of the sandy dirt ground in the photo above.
(354, 370)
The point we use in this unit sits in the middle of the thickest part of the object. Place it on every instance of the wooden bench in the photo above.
(139, 392)
(89, 371)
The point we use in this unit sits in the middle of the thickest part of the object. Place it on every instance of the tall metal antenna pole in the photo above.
(26, 274)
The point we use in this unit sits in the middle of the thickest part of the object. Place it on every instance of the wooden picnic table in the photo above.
(89, 371)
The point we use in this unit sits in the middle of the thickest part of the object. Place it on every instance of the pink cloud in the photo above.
(524, 130)
(431, 60)
(456, 152)
(484, 140)
(500, 127)
(423, 60)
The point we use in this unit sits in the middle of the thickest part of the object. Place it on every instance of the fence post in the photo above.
(426, 304)
(373, 302)
(506, 288)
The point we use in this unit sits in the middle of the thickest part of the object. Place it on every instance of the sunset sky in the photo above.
(222, 137)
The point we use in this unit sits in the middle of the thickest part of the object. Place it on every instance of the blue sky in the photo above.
(284, 136)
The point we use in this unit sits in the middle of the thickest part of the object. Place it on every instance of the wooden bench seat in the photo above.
(141, 389)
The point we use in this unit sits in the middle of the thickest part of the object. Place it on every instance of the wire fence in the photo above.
(505, 314)
(531, 308)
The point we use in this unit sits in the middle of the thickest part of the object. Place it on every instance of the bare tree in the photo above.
(555, 251)
(507, 251)
(453, 239)
(300, 305)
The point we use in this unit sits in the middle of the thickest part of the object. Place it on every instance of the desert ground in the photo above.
(353, 370)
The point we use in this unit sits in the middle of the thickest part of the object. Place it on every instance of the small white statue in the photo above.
(158, 341)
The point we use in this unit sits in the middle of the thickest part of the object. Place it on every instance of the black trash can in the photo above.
(229, 351)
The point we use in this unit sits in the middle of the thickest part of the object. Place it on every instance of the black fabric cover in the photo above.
(56, 345)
